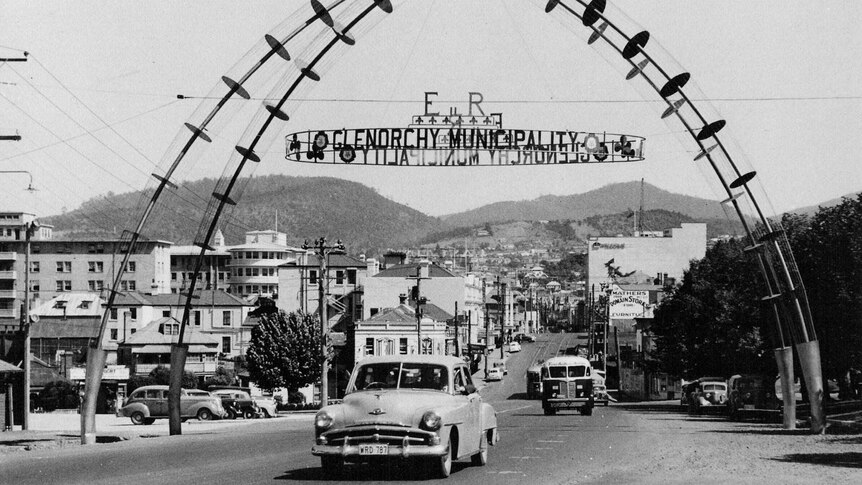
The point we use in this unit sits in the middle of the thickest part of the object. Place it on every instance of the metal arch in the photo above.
(130, 239)
(247, 153)
(793, 294)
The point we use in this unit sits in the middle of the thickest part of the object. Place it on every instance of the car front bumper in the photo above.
(401, 442)
(394, 451)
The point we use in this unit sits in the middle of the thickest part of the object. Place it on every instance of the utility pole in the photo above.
(502, 294)
(322, 250)
(457, 346)
(29, 229)
(418, 279)
(469, 333)
(485, 352)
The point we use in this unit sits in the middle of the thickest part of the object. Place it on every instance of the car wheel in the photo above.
(444, 463)
(549, 411)
(266, 413)
(137, 417)
(481, 458)
(606, 403)
(204, 414)
(248, 414)
(231, 414)
(332, 466)
(149, 421)
(587, 410)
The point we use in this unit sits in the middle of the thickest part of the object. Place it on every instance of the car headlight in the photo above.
(431, 421)
(323, 421)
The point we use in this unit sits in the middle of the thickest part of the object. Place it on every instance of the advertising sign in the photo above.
(630, 304)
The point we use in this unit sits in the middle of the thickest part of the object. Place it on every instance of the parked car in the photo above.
(237, 403)
(495, 374)
(523, 337)
(147, 403)
(501, 366)
(423, 407)
(709, 392)
(600, 391)
(514, 347)
(750, 392)
(534, 382)
(258, 406)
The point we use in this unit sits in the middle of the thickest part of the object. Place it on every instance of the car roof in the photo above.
(567, 360)
(447, 360)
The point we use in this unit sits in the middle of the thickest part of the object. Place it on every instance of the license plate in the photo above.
(748, 406)
(373, 449)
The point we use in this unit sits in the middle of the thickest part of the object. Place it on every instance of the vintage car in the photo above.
(495, 374)
(238, 402)
(147, 403)
(421, 407)
(567, 382)
(514, 347)
(748, 392)
(600, 391)
(710, 393)
(523, 337)
(501, 366)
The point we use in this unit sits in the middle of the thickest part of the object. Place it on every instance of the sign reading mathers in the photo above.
(457, 139)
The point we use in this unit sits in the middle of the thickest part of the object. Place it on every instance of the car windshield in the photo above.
(395, 375)
(571, 371)
(714, 387)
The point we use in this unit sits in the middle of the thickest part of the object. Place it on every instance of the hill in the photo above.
(812, 209)
(307, 208)
(610, 199)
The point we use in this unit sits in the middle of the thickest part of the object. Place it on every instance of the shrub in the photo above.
(60, 394)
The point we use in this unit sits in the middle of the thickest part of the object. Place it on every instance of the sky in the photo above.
(97, 109)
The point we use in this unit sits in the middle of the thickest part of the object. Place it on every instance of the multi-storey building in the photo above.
(254, 265)
(393, 331)
(13, 239)
(298, 281)
(214, 273)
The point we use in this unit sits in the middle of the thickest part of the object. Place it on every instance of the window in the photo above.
(95, 266)
(248, 255)
(312, 277)
(64, 266)
(173, 276)
(64, 285)
(34, 266)
(402, 346)
(426, 346)
(133, 313)
(128, 285)
(225, 318)
(225, 345)
(166, 313)
(95, 285)
(34, 285)
(113, 334)
(113, 313)
(369, 346)
(339, 277)
(197, 318)
(131, 267)
(351, 277)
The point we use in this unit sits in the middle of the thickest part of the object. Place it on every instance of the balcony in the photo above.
(8, 256)
(196, 367)
(8, 294)
(8, 275)
(9, 313)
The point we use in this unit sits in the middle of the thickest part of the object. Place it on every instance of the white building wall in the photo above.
(384, 292)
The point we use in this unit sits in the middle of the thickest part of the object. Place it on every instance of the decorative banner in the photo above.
(435, 139)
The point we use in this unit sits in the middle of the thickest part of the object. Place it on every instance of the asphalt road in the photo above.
(617, 444)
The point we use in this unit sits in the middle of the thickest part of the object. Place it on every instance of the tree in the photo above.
(285, 351)
(711, 324)
(222, 377)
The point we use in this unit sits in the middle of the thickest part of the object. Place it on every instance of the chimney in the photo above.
(424, 268)
(402, 298)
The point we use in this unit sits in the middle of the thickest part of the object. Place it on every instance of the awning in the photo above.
(166, 349)
(6, 367)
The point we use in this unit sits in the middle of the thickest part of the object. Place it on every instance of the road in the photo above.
(617, 444)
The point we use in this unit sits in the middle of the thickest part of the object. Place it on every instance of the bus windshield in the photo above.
(561, 372)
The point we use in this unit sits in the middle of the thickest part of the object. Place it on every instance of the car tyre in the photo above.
(265, 413)
(443, 464)
(248, 414)
(137, 418)
(149, 421)
(204, 414)
(332, 466)
(481, 458)
(587, 410)
(231, 414)
(549, 411)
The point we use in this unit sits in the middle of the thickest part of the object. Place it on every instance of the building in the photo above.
(214, 273)
(151, 347)
(393, 331)
(664, 256)
(254, 265)
(12, 248)
(298, 282)
(215, 313)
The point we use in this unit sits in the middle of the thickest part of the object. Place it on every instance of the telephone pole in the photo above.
(501, 288)
(322, 250)
(418, 279)
(485, 352)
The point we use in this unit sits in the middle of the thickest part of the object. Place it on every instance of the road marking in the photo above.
(514, 409)
(550, 441)
(541, 448)
(522, 457)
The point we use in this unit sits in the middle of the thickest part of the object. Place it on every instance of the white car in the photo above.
(495, 374)
(514, 347)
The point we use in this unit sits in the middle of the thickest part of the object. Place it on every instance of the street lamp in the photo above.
(322, 250)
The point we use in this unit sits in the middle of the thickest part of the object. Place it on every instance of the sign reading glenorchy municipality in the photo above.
(455, 139)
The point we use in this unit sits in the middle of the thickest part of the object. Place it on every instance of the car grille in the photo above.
(392, 435)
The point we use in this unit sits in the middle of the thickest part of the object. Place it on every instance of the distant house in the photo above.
(392, 331)
(67, 324)
(151, 347)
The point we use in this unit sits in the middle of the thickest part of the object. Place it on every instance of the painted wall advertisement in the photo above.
(630, 304)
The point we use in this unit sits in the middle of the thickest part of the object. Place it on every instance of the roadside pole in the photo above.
(501, 287)
(485, 352)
